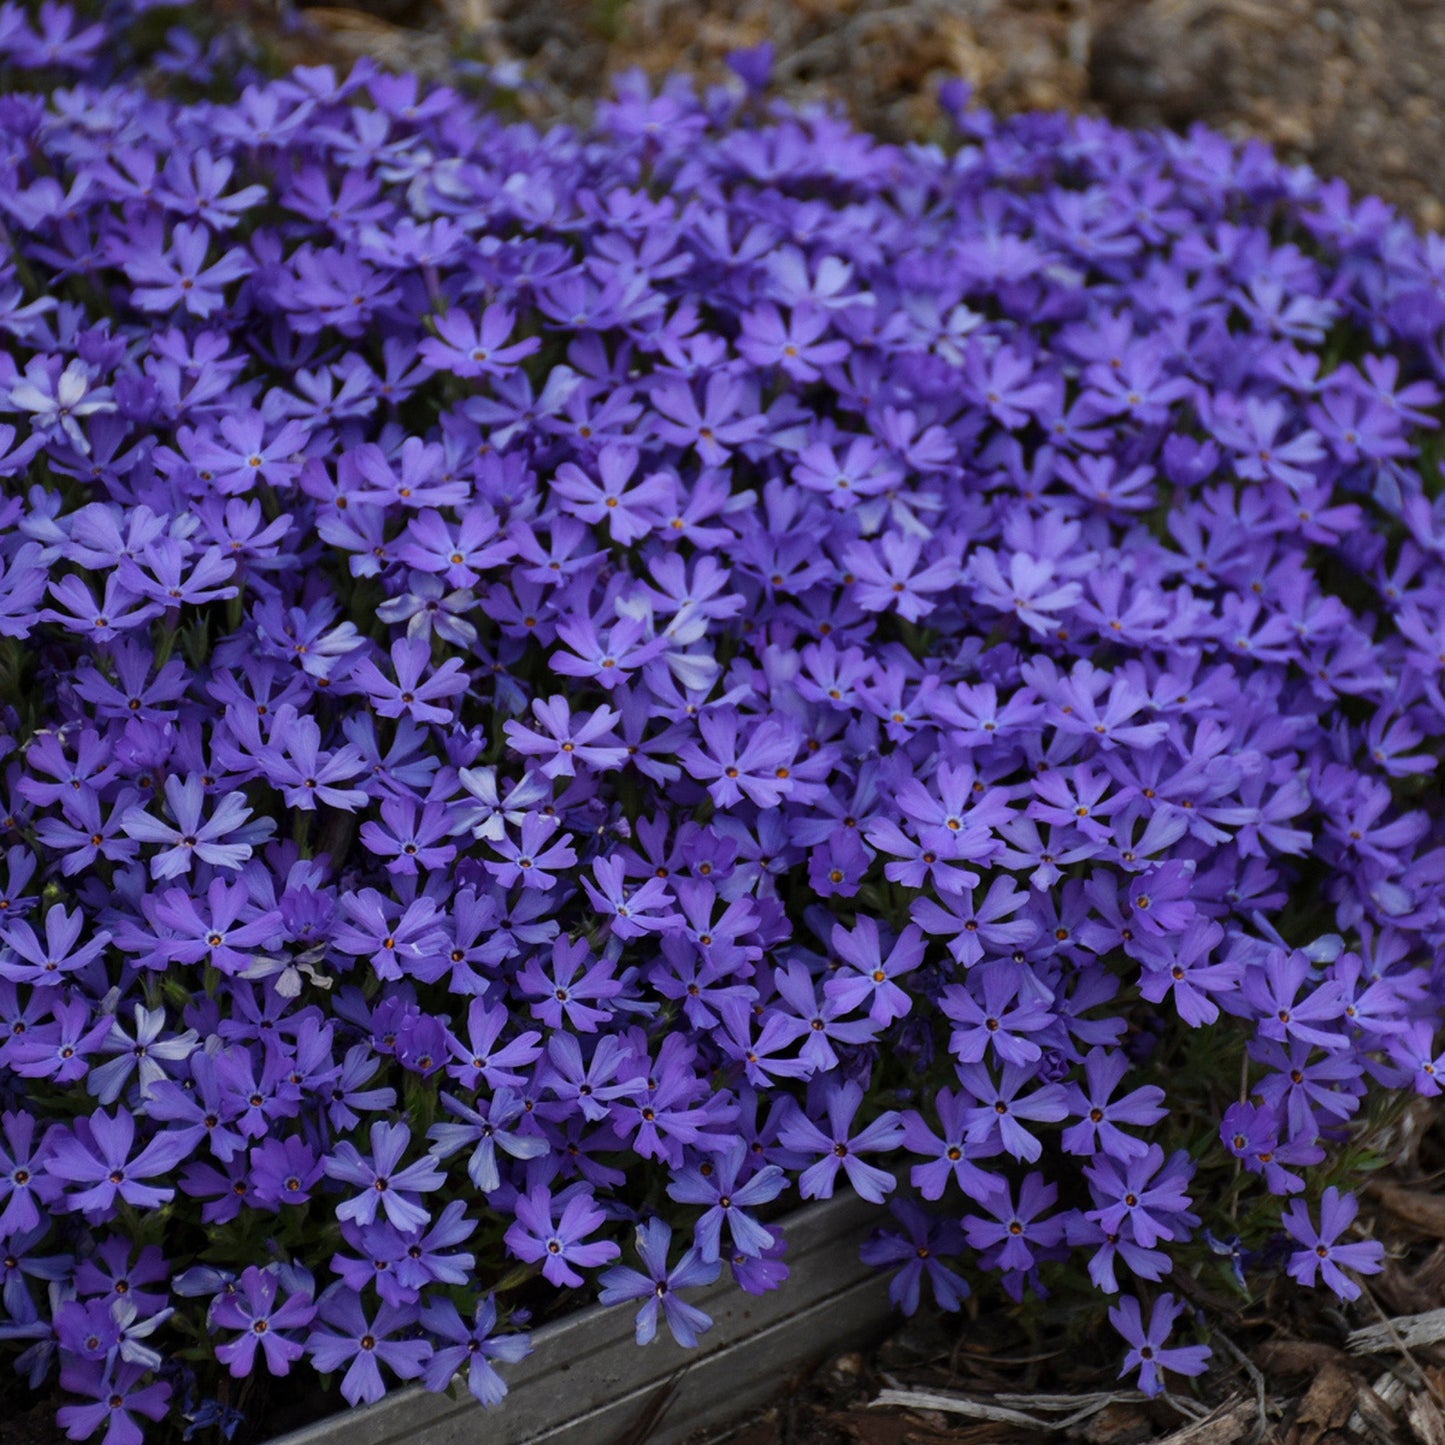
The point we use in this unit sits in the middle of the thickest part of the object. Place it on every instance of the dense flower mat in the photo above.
(564, 691)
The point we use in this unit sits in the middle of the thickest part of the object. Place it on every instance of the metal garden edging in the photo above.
(587, 1380)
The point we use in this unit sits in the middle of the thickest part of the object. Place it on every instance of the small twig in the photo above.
(1181, 1405)
(1423, 1329)
(1399, 1341)
(1261, 1394)
(1008, 1409)
(957, 1405)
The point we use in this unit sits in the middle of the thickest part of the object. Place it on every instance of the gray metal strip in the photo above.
(586, 1370)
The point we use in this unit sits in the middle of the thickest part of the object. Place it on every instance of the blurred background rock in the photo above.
(1354, 88)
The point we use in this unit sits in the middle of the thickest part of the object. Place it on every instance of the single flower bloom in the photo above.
(1323, 1256)
(657, 1286)
(561, 1243)
(470, 1347)
(255, 1308)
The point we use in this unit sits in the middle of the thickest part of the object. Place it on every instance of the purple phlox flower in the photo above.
(1000, 379)
(626, 507)
(1356, 826)
(411, 838)
(613, 1071)
(107, 1330)
(256, 1309)
(532, 858)
(1308, 1090)
(1018, 1235)
(366, 1344)
(57, 399)
(672, 1107)
(757, 1042)
(955, 812)
(425, 1256)
(488, 812)
(225, 932)
(145, 1054)
(949, 1154)
(795, 341)
(284, 1171)
(999, 1116)
(755, 764)
(1031, 588)
(24, 1185)
(175, 273)
(1100, 1114)
(61, 1049)
(996, 1008)
(631, 912)
(1147, 1351)
(476, 348)
(1323, 1256)
(724, 420)
(1147, 1191)
(386, 1185)
(566, 738)
(1252, 1134)
(1160, 900)
(658, 1287)
(1273, 992)
(462, 552)
(96, 1153)
(1413, 1049)
(487, 1127)
(871, 980)
(573, 977)
(119, 609)
(223, 840)
(426, 607)
(863, 471)
(293, 760)
(477, 1058)
(470, 1347)
(1076, 797)
(916, 1253)
(839, 1148)
(560, 1243)
(117, 1394)
(839, 867)
(1380, 381)
(715, 1183)
(1251, 429)
(1074, 706)
(818, 1024)
(399, 941)
(973, 928)
(411, 694)
(25, 959)
(118, 1269)
(891, 573)
(1182, 966)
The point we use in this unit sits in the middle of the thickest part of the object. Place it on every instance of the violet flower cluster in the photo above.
(564, 692)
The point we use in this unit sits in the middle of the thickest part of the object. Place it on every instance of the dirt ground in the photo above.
(1353, 88)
